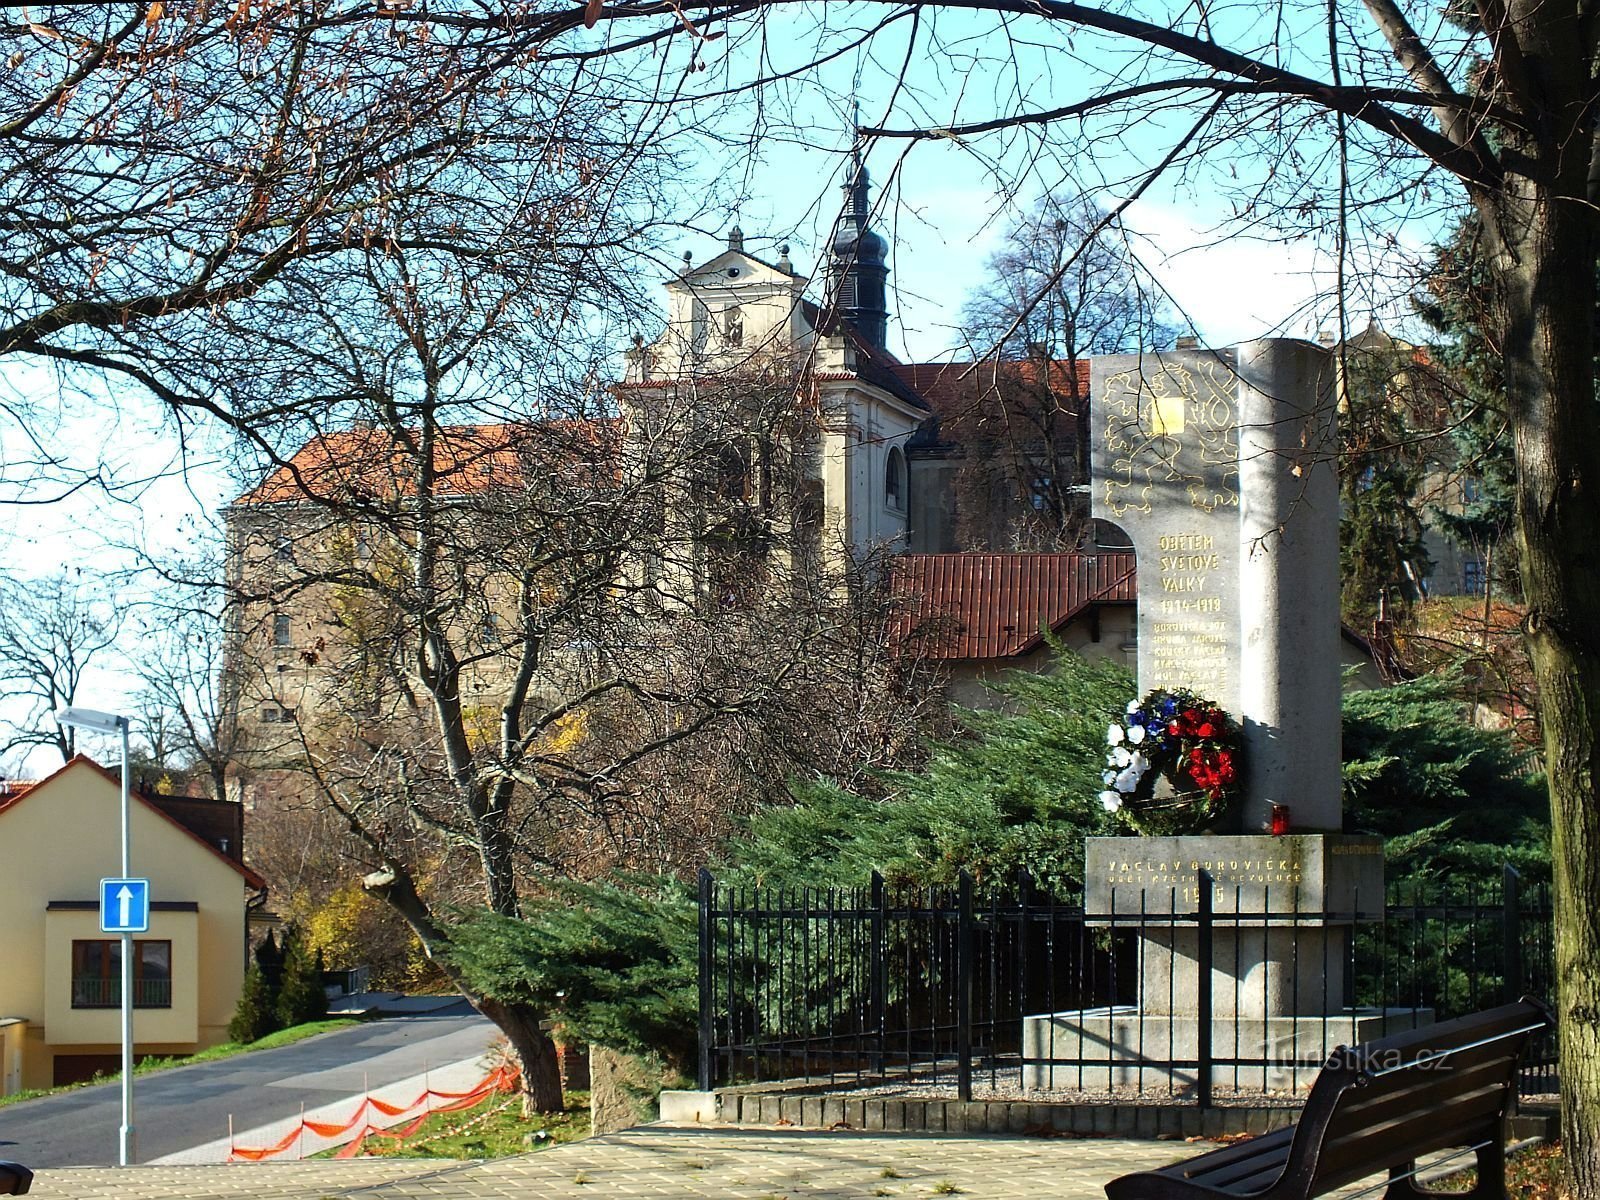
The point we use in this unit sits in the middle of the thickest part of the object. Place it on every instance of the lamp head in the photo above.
(90, 718)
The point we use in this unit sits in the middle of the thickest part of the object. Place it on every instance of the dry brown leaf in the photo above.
(591, 12)
(154, 15)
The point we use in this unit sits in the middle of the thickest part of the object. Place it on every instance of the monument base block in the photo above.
(1124, 1049)
(1305, 878)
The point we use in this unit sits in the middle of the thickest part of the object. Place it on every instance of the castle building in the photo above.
(796, 446)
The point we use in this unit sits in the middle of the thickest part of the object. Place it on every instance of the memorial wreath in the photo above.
(1172, 764)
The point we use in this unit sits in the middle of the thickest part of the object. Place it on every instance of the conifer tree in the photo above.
(256, 1014)
(269, 957)
(300, 996)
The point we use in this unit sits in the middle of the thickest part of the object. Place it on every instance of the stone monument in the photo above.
(1220, 468)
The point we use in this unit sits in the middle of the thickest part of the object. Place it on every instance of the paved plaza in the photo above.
(656, 1162)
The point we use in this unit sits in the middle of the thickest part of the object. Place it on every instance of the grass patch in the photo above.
(283, 1037)
(149, 1066)
(493, 1130)
(946, 1187)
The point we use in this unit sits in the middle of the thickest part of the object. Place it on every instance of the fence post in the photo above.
(1203, 999)
(1511, 928)
(880, 988)
(964, 969)
(707, 1001)
(1024, 904)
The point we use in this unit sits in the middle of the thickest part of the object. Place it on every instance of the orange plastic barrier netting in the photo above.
(501, 1079)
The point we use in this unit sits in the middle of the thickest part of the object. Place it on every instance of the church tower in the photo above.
(859, 271)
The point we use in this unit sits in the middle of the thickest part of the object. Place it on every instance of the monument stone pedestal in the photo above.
(1219, 466)
(1277, 941)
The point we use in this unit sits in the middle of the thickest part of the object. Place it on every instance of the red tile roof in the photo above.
(372, 464)
(953, 606)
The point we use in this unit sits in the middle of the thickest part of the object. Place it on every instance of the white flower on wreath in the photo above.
(1136, 734)
(1121, 756)
(1133, 707)
(1111, 801)
(1108, 777)
(1134, 771)
(1114, 735)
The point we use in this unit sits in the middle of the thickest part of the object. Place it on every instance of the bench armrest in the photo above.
(15, 1179)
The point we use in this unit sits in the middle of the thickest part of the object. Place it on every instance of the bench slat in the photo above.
(1360, 1112)
(1238, 1150)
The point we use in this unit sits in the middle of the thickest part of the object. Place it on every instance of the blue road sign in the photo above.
(124, 905)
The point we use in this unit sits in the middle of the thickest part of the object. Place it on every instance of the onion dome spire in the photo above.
(859, 270)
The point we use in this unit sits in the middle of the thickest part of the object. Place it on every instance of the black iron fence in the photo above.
(1020, 990)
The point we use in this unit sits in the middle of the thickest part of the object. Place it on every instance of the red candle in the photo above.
(1280, 820)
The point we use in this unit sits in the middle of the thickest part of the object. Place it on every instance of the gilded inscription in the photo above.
(1170, 424)
(1181, 876)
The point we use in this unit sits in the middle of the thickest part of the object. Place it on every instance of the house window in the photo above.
(1039, 493)
(894, 479)
(283, 549)
(1471, 490)
(97, 974)
(1473, 580)
(280, 629)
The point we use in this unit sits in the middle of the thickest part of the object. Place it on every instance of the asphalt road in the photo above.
(187, 1106)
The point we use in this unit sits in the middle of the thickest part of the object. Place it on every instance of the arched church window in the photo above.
(894, 479)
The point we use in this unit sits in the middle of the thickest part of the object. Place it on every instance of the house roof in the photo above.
(9, 799)
(370, 463)
(954, 606)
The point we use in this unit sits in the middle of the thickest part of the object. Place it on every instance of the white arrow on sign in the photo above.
(125, 897)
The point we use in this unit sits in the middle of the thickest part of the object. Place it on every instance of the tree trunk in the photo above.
(1545, 264)
(534, 1050)
(535, 1053)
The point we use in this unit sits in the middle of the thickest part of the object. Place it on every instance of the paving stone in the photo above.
(650, 1163)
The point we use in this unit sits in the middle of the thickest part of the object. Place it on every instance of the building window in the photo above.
(280, 629)
(97, 974)
(283, 549)
(894, 479)
(1473, 580)
(1471, 490)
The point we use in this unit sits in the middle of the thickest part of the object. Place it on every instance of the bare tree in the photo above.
(175, 179)
(188, 720)
(1065, 284)
(51, 631)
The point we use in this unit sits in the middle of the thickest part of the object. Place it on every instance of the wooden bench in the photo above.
(15, 1179)
(1378, 1106)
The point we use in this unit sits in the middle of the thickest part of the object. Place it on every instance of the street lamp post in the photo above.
(104, 722)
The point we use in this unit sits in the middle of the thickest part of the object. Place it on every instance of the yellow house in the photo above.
(60, 976)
